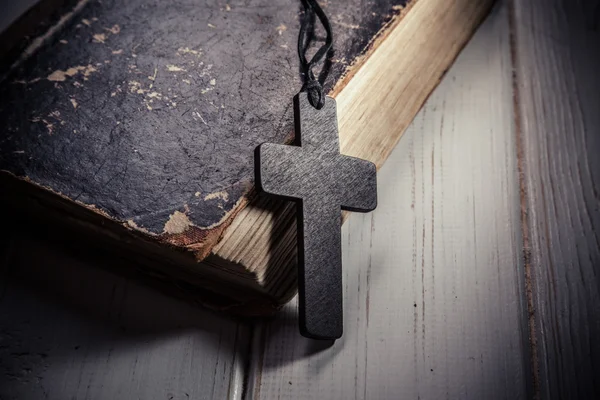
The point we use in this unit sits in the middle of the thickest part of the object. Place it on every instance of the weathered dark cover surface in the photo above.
(149, 110)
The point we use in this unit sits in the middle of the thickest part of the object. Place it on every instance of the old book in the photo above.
(132, 124)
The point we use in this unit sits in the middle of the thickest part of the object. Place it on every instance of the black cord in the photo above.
(312, 85)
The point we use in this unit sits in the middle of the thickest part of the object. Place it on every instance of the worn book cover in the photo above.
(133, 123)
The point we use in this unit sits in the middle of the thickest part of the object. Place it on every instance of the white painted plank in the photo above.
(433, 277)
(558, 82)
(69, 330)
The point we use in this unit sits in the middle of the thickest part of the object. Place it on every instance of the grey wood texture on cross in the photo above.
(323, 182)
(446, 302)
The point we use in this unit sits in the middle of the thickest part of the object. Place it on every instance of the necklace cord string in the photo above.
(312, 85)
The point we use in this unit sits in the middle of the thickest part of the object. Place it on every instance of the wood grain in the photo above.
(71, 330)
(557, 59)
(374, 108)
(433, 278)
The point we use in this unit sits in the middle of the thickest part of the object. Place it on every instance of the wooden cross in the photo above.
(322, 182)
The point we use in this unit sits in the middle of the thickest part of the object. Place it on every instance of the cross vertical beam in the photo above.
(320, 288)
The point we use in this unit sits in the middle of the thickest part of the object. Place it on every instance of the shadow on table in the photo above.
(278, 343)
(62, 314)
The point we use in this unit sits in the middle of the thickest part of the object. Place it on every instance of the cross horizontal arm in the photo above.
(358, 191)
(280, 167)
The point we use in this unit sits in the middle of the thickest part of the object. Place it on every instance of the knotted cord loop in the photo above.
(312, 85)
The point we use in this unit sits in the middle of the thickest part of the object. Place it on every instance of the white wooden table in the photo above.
(478, 276)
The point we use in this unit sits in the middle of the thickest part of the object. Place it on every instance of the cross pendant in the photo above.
(322, 182)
